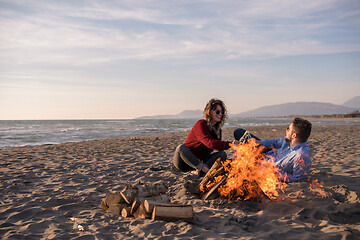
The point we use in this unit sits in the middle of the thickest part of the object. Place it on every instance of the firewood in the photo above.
(136, 204)
(149, 205)
(125, 212)
(213, 193)
(116, 209)
(129, 194)
(219, 171)
(103, 205)
(113, 198)
(141, 213)
(161, 198)
(210, 173)
(154, 189)
(138, 201)
(255, 187)
(173, 213)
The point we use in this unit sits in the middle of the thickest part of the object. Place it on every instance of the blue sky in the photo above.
(127, 58)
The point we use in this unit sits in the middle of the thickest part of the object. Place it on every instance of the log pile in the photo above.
(147, 202)
(218, 170)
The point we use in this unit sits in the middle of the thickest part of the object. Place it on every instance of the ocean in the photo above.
(17, 133)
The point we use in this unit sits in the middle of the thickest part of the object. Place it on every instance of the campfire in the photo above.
(246, 177)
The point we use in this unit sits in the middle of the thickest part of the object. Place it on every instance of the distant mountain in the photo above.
(198, 114)
(353, 103)
(280, 110)
(296, 108)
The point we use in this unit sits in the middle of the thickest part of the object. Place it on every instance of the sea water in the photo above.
(18, 133)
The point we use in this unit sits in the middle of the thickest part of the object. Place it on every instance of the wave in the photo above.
(29, 133)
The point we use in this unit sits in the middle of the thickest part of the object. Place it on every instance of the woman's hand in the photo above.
(197, 172)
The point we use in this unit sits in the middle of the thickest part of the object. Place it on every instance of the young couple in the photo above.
(291, 154)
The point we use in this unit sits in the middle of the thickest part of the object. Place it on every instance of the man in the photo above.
(291, 154)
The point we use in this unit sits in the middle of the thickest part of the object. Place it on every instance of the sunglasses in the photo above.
(218, 112)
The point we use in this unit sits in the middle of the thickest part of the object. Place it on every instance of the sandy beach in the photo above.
(47, 191)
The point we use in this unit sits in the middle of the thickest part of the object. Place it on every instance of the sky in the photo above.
(107, 59)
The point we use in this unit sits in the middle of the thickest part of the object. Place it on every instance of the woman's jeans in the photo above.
(185, 160)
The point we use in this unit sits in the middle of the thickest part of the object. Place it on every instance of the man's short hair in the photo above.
(302, 127)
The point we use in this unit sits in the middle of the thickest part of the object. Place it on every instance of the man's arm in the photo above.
(272, 143)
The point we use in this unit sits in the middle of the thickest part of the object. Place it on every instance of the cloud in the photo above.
(91, 32)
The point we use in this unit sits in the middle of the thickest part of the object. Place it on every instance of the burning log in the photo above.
(250, 191)
(209, 175)
(213, 193)
(246, 177)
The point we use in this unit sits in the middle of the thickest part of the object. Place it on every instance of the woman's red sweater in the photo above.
(202, 142)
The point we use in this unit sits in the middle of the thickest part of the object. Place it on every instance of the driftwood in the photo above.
(173, 213)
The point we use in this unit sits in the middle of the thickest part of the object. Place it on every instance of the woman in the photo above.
(196, 153)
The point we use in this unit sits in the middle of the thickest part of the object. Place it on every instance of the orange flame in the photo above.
(248, 175)
(317, 188)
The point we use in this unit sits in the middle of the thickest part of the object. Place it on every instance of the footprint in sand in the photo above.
(342, 194)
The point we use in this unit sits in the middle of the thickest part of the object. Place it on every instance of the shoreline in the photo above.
(225, 129)
(46, 189)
